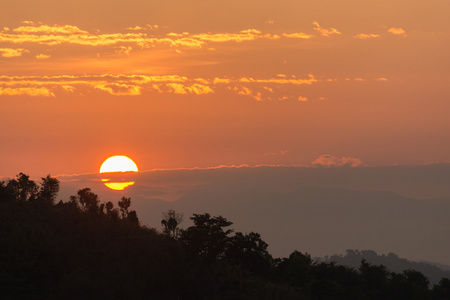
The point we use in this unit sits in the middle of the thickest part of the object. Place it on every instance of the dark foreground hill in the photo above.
(84, 249)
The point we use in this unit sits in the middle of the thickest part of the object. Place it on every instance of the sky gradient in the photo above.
(177, 84)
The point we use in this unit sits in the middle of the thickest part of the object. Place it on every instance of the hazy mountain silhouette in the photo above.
(322, 220)
(392, 261)
(399, 209)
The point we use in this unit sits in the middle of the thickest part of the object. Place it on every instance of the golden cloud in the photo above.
(365, 36)
(117, 89)
(123, 43)
(281, 81)
(42, 56)
(8, 52)
(323, 31)
(298, 35)
(124, 50)
(397, 31)
(29, 91)
(134, 85)
(199, 89)
(243, 90)
(66, 29)
(139, 28)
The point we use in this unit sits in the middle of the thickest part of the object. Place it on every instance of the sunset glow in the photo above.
(209, 83)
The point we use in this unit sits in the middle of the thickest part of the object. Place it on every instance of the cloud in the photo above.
(298, 35)
(397, 31)
(42, 56)
(8, 52)
(325, 32)
(120, 89)
(309, 81)
(61, 34)
(132, 85)
(244, 35)
(365, 36)
(138, 37)
(326, 160)
(66, 29)
(139, 28)
(124, 50)
(243, 90)
(29, 91)
(199, 89)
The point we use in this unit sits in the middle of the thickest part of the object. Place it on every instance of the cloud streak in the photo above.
(68, 34)
(326, 160)
(365, 36)
(134, 85)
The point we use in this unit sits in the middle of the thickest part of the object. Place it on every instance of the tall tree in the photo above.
(49, 189)
(250, 252)
(124, 204)
(208, 237)
(170, 223)
(23, 188)
(87, 199)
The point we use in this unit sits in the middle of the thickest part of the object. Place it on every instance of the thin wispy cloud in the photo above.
(327, 160)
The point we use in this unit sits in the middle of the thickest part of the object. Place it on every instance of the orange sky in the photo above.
(205, 83)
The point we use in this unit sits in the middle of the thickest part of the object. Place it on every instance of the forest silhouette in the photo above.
(84, 249)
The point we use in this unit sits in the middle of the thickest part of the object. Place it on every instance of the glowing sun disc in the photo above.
(118, 163)
(119, 186)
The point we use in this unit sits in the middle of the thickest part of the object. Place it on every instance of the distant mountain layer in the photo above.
(320, 220)
(397, 209)
(392, 261)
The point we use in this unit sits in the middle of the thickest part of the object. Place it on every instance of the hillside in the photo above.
(82, 248)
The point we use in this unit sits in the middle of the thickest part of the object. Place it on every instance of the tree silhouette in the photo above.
(250, 252)
(49, 189)
(124, 204)
(87, 199)
(22, 188)
(296, 269)
(208, 237)
(132, 217)
(441, 291)
(170, 223)
(109, 207)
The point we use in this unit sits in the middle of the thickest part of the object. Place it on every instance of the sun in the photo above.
(116, 172)
(118, 163)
